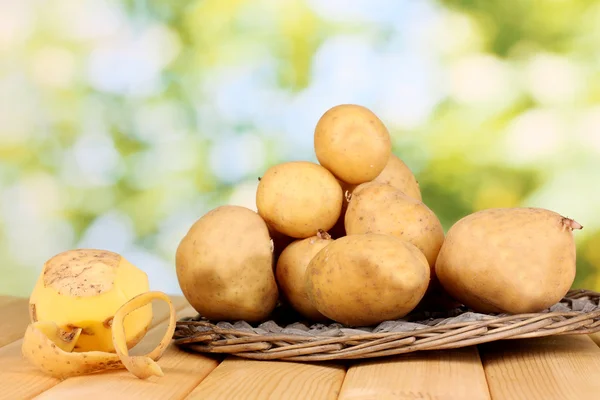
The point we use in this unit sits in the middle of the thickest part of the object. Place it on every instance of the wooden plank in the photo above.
(19, 379)
(558, 367)
(237, 378)
(427, 375)
(9, 299)
(183, 372)
(14, 318)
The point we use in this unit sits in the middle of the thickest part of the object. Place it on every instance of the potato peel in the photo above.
(44, 352)
(141, 366)
(49, 348)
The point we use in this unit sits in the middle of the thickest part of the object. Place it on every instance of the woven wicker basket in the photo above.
(282, 338)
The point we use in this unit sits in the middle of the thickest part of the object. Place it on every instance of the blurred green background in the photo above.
(122, 122)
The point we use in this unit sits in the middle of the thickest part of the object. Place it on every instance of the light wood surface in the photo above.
(560, 367)
(15, 317)
(550, 368)
(452, 374)
(237, 378)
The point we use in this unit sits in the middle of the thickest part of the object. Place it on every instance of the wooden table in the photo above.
(565, 367)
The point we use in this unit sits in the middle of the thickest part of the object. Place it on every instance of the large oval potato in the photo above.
(298, 198)
(224, 265)
(352, 143)
(397, 174)
(290, 271)
(514, 260)
(362, 280)
(380, 208)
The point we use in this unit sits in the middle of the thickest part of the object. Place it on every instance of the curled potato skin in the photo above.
(41, 347)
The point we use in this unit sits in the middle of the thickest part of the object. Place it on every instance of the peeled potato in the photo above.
(50, 348)
(362, 280)
(513, 260)
(352, 143)
(380, 208)
(290, 271)
(298, 198)
(83, 289)
(397, 174)
(224, 265)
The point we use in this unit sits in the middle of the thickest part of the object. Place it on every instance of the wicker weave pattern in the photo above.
(577, 313)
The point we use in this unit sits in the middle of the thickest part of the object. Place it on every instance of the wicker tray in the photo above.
(282, 338)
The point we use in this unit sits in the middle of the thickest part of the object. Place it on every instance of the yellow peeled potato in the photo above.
(224, 265)
(298, 198)
(513, 260)
(363, 280)
(290, 271)
(380, 208)
(83, 289)
(397, 174)
(352, 143)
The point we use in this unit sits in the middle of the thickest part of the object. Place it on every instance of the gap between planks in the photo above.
(19, 379)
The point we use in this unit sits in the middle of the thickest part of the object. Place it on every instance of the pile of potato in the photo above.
(350, 240)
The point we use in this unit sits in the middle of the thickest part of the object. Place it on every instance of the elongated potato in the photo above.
(290, 271)
(362, 280)
(298, 198)
(224, 265)
(352, 143)
(380, 208)
(513, 260)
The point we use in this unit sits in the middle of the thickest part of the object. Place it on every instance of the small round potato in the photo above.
(397, 174)
(291, 267)
(298, 198)
(224, 265)
(379, 208)
(352, 143)
(362, 280)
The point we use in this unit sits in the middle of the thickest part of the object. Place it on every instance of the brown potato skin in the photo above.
(224, 265)
(379, 208)
(298, 198)
(397, 174)
(362, 280)
(512, 260)
(352, 143)
(290, 271)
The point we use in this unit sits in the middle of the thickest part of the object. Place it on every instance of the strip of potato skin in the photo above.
(41, 351)
(141, 366)
(43, 346)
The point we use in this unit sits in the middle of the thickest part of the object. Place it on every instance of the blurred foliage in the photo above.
(123, 122)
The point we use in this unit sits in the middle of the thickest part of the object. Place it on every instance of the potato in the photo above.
(512, 260)
(224, 265)
(291, 267)
(298, 198)
(51, 348)
(362, 280)
(83, 289)
(397, 174)
(352, 143)
(379, 208)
